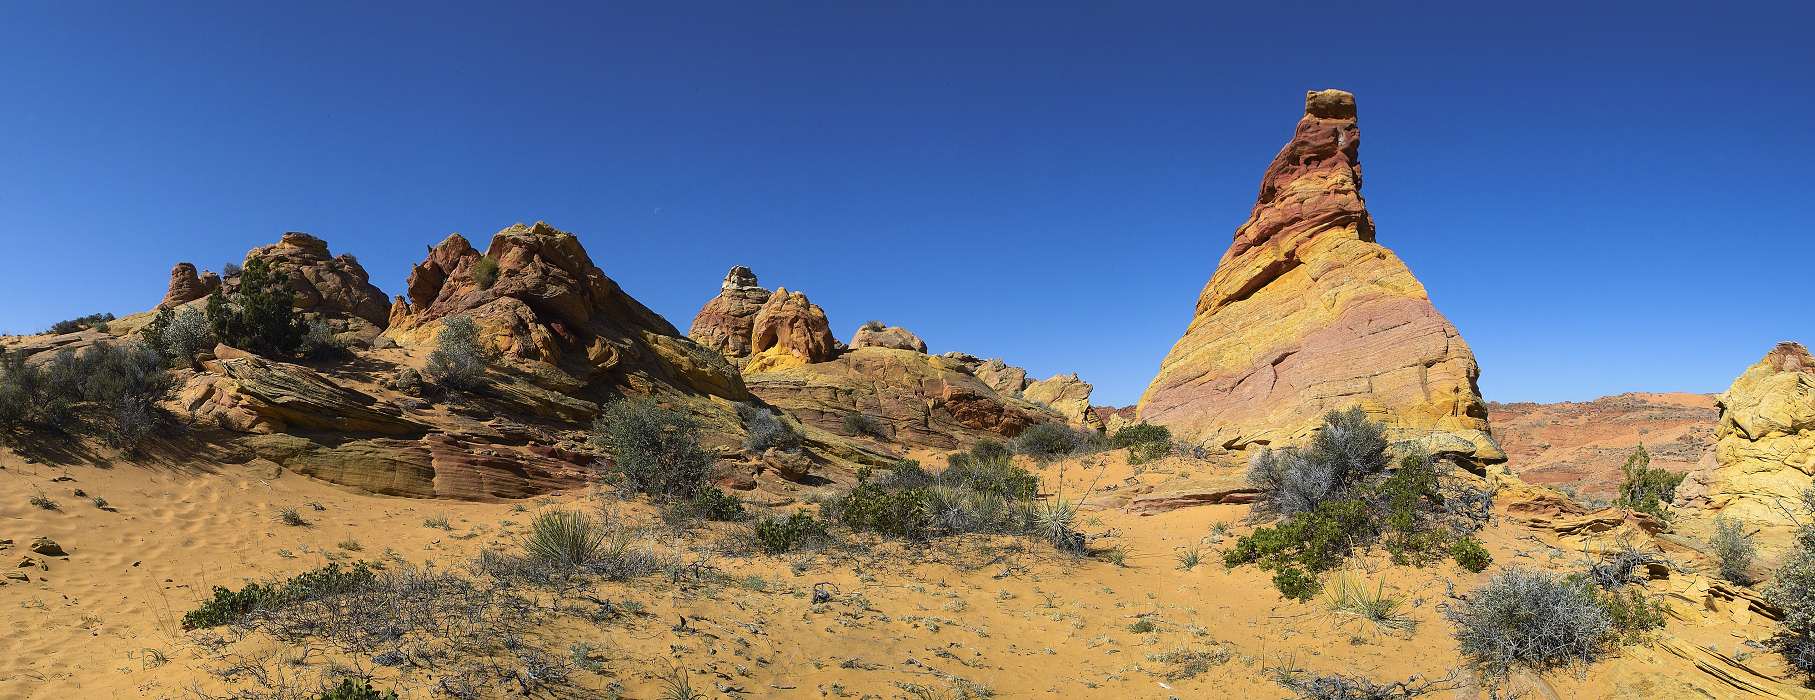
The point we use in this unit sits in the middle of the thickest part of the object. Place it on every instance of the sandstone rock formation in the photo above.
(789, 330)
(1068, 395)
(1764, 451)
(333, 285)
(549, 303)
(876, 335)
(186, 286)
(924, 400)
(726, 322)
(1306, 314)
(246, 393)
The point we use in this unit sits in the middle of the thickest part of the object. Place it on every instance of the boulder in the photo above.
(333, 286)
(1764, 450)
(727, 321)
(1068, 395)
(47, 547)
(186, 286)
(926, 401)
(1306, 313)
(1006, 379)
(548, 303)
(876, 335)
(789, 330)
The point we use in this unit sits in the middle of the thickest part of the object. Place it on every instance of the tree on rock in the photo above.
(258, 316)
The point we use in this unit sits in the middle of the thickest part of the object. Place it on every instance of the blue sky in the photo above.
(1603, 200)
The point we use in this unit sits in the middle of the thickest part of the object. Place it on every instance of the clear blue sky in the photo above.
(1603, 198)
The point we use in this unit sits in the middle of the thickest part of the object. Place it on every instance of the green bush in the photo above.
(990, 449)
(178, 336)
(229, 606)
(710, 504)
(320, 343)
(1645, 489)
(564, 538)
(1469, 554)
(81, 322)
(459, 359)
(360, 690)
(485, 272)
(1046, 441)
(765, 430)
(860, 424)
(1296, 584)
(108, 389)
(258, 316)
(778, 535)
(1145, 442)
(656, 449)
(1792, 590)
(905, 513)
(1733, 550)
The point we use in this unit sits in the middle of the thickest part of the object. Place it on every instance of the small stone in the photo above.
(48, 547)
(27, 562)
(17, 576)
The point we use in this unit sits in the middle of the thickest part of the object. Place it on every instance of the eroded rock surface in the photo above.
(323, 283)
(726, 322)
(1306, 313)
(876, 335)
(789, 330)
(186, 286)
(1068, 395)
(1764, 451)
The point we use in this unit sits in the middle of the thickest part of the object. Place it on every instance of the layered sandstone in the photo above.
(789, 330)
(321, 282)
(921, 400)
(1764, 451)
(1306, 313)
(725, 324)
(876, 335)
(543, 300)
(1068, 395)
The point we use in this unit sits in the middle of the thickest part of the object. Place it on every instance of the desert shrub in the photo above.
(81, 322)
(708, 504)
(564, 538)
(1621, 564)
(778, 535)
(114, 386)
(258, 316)
(861, 424)
(1531, 618)
(485, 272)
(1334, 686)
(1645, 489)
(1046, 441)
(231, 270)
(765, 430)
(459, 360)
(1346, 450)
(990, 449)
(320, 343)
(178, 335)
(904, 513)
(970, 495)
(350, 689)
(1314, 542)
(656, 449)
(228, 606)
(1350, 596)
(1792, 590)
(1145, 442)
(872, 325)
(1631, 612)
(1469, 554)
(1733, 550)
(1294, 583)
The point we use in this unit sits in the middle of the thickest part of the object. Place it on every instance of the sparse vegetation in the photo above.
(709, 504)
(862, 424)
(96, 321)
(1190, 557)
(178, 336)
(319, 342)
(1733, 550)
(1350, 596)
(290, 516)
(1145, 442)
(109, 389)
(350, 689)
(1645, 489)
(485, 272)
(1531, 618)
(1047, 441)
(229, 606)
(564, 538)
(656, 449)
(1792, 590)
(765, 430)
(459, 360)
(1333, 497)
(779, 535)
(257, 317)
(1469, 554)
(1332, 686)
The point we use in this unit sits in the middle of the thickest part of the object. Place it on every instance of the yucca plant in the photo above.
(564, 537)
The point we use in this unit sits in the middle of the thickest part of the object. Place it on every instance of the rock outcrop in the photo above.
(1068, 395)
(1306, 314)
(536, 296)
(876, 335)
(1764, 450)
(725, 324)
(788, 331)
(323, 283)
(186, 286)
(245, 393)
(922, 400)
(1581, 445)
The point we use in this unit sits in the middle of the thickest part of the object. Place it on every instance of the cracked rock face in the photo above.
(1306, 313)
(1764, 450)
